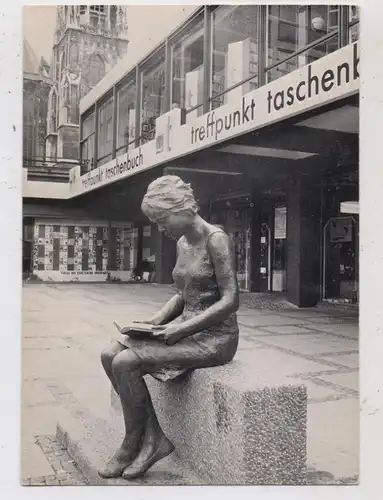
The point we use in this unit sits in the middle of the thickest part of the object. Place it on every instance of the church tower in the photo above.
(89, 41)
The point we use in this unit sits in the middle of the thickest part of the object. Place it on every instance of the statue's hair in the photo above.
(169, 195)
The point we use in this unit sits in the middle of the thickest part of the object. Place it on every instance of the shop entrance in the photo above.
(280, 248)
(234, 215)
(273, 249)
(340, 237)
(341, 259)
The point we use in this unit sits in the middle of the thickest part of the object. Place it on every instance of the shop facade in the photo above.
(337, 235)
(256, 106)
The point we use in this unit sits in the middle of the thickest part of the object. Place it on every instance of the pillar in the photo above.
(303, 242)
(140, 240)
(165, 258)
(332, 264)
(112, 250)
(255, 244)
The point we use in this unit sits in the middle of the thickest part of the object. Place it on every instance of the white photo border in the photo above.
(371, 270)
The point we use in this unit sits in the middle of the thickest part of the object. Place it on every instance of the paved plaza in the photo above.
(65, 327)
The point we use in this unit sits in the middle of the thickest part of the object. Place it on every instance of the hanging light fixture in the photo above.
(318, 23)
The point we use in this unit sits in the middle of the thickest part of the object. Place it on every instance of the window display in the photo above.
(291, 28)
(187, 68)
(235, 52)
(152, 97)
(126, 116)
(87, 143)
(354, 30)
(105, 130)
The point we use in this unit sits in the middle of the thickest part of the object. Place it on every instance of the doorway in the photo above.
(280, 249)
(234, 215)
(341, 259)
(273, 248)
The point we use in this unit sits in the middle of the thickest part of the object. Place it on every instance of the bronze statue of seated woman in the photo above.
(206, 302)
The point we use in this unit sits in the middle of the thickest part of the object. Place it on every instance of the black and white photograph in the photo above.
(190, 245)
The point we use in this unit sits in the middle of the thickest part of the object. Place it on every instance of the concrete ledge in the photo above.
(92, 441)
(228, 429)
(73, 435)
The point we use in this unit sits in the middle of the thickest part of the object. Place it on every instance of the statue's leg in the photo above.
(132, 390)
(143, 431)
(155, 446)
(107, 357)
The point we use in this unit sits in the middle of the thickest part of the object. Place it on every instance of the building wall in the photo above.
(81, 56)
(35, 99)
(149, 243)
(237, 46)
(69, 139)
(82, 45)
(65, 250)
(47, 190)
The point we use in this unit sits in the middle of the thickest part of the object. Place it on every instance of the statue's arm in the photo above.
(220, 250)
(171, 310)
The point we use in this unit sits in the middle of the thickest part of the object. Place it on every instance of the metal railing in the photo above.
(197, 106)
(304, 49)
(47, 161)
(320, 41)
(50, 169)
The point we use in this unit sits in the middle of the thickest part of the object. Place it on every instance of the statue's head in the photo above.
(169, 202)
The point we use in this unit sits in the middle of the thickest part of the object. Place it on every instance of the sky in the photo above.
(38, 28)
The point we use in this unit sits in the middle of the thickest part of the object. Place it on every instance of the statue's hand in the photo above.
(168, 334)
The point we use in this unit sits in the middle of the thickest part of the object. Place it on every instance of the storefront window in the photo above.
(126, 116)
(291, 28)
(280, 249)
(88, 125)
(235, 52)
(187, 70)
(152, 97)
(128, 249)
(234, 217)
(105, 132)
(340, 237)
(87, 153)
(341, 258)
(354, 30)
(87, 143)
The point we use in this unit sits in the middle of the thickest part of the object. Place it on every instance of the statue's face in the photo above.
(174, 225)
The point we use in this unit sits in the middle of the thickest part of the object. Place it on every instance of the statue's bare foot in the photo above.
(117, 464)
(148, 457)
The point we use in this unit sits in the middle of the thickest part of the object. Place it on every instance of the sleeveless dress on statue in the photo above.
(195, 280)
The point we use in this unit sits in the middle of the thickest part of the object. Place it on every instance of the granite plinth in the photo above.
(228, 429)
(91, 441)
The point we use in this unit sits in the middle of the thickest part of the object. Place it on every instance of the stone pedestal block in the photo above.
(231, 430)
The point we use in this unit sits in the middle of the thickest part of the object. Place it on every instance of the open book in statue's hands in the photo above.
(137, 329)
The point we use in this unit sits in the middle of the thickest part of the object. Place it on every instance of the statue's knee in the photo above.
(106, 359)
(124, 362)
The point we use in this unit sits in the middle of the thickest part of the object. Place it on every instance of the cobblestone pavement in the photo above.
(66, 326)
(65, 472)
